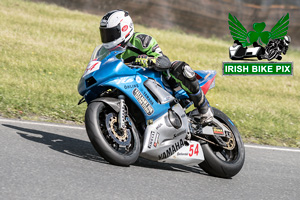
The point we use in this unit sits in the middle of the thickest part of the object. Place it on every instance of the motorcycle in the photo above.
(238, 52)
(132, 112)
(274, 50)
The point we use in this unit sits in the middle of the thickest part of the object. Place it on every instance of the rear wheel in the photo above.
(115, 146)
(224, 162)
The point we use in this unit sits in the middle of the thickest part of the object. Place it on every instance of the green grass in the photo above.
(44, 50)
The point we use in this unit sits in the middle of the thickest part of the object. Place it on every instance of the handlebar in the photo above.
(133, 65)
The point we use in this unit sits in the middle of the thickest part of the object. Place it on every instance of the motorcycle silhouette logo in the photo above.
(276, 41)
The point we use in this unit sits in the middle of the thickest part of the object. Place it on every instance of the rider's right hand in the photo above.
(144, 61)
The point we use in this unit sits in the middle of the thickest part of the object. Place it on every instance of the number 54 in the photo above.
(194, 150)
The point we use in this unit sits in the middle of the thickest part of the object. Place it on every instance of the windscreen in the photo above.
(100, 53)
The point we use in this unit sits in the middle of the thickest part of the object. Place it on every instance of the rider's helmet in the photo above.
(287, 40)
(116, 29)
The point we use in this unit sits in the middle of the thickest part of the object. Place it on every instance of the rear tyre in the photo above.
(116, 147)
(221, 162)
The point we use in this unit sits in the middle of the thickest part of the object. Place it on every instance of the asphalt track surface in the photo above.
(54, 161)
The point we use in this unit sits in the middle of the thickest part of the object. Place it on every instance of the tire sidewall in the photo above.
(99, 142)
(217, 167)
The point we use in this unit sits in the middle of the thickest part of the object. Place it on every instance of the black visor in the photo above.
(110, 34)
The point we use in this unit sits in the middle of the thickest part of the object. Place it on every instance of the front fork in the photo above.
(123, 119)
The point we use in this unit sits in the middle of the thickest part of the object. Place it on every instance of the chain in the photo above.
(206, 140)
(228, 147)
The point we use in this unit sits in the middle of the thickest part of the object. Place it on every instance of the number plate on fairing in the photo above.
(92, 66)
(187, 155)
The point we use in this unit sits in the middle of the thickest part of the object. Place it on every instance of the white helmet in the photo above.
(287, 40)
(116, 28)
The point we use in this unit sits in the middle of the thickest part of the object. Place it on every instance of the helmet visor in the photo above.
(110, 34)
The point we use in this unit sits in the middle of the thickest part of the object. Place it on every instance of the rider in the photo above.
(117, 31)
(282, 44)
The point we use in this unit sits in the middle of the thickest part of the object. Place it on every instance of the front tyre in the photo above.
(222, 162)
(115, 146)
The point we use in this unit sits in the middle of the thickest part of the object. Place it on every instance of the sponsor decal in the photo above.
(148, 98)
(158, 126)
(171, 150)
(131, 86)
(143, 101)
(182, 154)
(217, 130)
(124, 80)
(124, 28)
(156, 140)
(138, 79)
(151, 139)
(193, 150)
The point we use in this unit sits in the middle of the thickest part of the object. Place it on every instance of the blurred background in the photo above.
(207, 18)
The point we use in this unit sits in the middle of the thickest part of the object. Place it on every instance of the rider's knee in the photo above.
(186, 75)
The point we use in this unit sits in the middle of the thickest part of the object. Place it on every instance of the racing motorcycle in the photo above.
(132, 111)
(275, 48)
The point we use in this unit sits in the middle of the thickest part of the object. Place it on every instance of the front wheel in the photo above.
(223, 162)
(115, 146)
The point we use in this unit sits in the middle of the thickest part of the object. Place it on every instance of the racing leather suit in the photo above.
(181, 73)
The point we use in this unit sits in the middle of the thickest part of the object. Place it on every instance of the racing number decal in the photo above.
(194, 151)
(92, 66)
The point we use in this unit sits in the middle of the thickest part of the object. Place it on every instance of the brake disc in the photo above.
(122, 137)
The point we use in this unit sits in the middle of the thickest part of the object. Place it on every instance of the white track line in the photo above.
(41, 124)
(271, 148)
(82, 128)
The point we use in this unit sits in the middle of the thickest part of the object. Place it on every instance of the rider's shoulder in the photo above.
(143, 39)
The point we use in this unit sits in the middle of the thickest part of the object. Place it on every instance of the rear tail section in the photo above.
(206, 79)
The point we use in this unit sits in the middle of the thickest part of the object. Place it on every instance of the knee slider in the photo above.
(188, 72)
(179, 68)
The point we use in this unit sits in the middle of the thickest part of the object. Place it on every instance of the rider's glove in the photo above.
(145, 61)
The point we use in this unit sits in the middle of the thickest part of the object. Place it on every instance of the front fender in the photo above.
(112, 102)
(118, 83)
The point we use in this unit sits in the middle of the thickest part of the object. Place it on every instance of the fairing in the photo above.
(163, 141)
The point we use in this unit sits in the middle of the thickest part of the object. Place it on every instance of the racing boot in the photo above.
(205, 111)
(186, 77)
